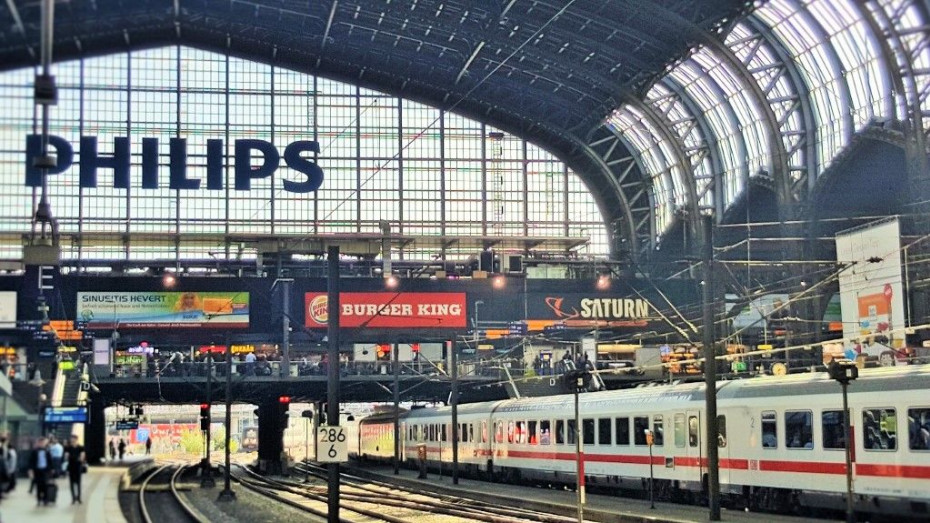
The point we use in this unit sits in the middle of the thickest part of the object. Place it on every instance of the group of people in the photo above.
(47, 461)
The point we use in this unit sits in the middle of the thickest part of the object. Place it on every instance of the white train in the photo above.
(781, 441)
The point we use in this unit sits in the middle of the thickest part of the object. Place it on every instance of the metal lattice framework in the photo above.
(663, 107)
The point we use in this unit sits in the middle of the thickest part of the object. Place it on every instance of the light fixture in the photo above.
(168, 280)
(603, 282)
(391, 282)
(499, 282)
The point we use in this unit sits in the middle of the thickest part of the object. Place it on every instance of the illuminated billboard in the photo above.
(111, 310)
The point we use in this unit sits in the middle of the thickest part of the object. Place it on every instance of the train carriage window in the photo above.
(622, 426)
(603, 431)
(484, 432)
(571, 431)
(545, 438)
(499, 433)
(769, 429)
(831, 422)
(721, 431)
(534, 436)
(640, 426)
(463, 434)
(520, 433)
(679, 430)
(445, 433)
(471, 432)
(799, 429)
(694, 428)
(658, 432)
(918, 425)
(559, 432)
(879, 429)
(587, 431)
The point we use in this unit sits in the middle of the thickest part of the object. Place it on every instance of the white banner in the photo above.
(871, 290)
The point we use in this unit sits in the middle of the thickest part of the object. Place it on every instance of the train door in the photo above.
(694, 452)
(723, 451)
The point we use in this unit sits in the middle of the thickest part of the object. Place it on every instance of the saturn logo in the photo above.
(318, 309)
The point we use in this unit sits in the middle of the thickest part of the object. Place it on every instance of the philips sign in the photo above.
(119, 162)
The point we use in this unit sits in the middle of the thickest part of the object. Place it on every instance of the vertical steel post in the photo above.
(454, 400)
(579, 464)
(286, 329)
(206, 475)
(850, 511)
(397, 435)
(710, 371)
(332, 395)
(227, 494)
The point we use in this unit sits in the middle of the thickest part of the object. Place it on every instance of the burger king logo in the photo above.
(318, 309)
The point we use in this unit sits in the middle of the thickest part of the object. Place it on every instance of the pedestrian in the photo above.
(57, 450)
(77, 464)
(10, 463)
(40, 463)
(122, 448)
(148, 445)
(112, 451)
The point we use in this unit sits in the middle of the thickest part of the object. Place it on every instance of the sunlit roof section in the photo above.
(821, 67)
(911, 47)
(657, 159)
(720, 114)
(686, 128)
(769, 72)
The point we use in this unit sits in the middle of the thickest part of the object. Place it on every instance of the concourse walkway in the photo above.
(100, 495)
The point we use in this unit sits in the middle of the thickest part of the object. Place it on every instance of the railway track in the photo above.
(364, 501)
(160, 497)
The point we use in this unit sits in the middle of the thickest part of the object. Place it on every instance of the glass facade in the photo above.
(430, 173)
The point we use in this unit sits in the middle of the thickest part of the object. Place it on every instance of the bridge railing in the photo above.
(273, 369)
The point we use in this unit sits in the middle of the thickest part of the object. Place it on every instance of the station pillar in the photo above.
(271, 424)
(95, 432)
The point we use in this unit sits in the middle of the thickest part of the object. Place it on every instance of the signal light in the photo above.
(204, 416)
(284, 400)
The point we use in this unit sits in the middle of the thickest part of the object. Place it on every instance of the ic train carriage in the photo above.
(781, 440)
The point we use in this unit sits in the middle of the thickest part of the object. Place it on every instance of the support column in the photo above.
(270, 437)
(95, 433)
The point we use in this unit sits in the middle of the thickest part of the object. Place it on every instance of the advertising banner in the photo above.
(871, 290)
(112, 310)
(436, 310)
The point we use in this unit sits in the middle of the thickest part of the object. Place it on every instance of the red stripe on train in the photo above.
(807, 467)
(900, 471)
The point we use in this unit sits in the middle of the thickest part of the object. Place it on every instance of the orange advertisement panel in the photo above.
(436, 310)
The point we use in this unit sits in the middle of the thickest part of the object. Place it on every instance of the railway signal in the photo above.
(204, 416)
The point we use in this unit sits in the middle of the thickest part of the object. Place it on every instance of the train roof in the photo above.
(904, 378)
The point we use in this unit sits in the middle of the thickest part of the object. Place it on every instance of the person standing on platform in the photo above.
(112, 451)
(122, 448)
(40, 464)
(10, 463)
(57, 451)
(148, 445)
(77, 464)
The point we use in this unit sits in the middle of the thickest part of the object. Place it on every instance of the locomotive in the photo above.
(781, 441)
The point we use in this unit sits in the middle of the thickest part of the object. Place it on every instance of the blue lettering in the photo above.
(293, 160)
(64, 157)
(120, 162)
(244, 170)
(178, 166)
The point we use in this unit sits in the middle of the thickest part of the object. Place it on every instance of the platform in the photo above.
(100, 500)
